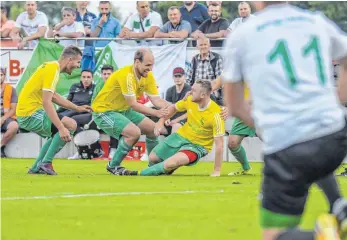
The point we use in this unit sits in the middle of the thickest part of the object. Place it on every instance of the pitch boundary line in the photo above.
(106, 194)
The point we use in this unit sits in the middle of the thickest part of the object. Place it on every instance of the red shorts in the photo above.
(192, 156)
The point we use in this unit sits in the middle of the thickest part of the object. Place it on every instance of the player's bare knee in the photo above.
(153, 158)
(233, 143)
(134, 135)
(69, 123)
(13, 127)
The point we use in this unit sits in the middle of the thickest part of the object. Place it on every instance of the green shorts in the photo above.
(38, 123)
(239, 128)
(113, 123)
(175, 143)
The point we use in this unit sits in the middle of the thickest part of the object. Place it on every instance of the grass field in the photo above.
(85, 202)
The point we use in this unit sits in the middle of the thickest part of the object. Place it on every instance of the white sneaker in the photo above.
(112, 152)
(75, 156)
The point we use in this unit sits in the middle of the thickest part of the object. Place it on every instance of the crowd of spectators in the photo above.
(192, 19)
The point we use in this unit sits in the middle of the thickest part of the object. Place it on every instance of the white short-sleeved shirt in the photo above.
(75, 27)
(238, 21)
(31, 26)
(152, 20)
(285, 55)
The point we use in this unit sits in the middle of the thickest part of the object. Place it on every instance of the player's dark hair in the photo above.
(87, 70)
(205, 84)
(173, 8)
(71, 51)
(107, 67)
(104, 2)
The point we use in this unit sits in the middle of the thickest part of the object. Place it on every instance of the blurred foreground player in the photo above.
(296, 109)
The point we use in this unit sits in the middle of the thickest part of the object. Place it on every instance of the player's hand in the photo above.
(103, 19)
(64, 134)
(22, 44)
(187, 95)
(224, 114)
(158, 128)
(215, 173)
(84, 108)
(161, 113)
(16, 38)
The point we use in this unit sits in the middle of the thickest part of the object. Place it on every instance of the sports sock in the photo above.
(240, 155)
(330, 188)
(56, 145)
(122, 150)
(42, 154)
(154, 170)
(151, 143)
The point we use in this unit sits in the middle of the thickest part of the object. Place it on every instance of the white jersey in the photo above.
(238, 22)
(285, 55)
(75, 27)
(31, 26)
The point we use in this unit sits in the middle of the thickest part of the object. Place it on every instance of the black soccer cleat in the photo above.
(121, 171)
(48, 168)
(31, 171)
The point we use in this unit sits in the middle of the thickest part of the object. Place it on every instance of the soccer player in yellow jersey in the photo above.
(117, 112)
(194, 139)
(238, 132)
(36, 112)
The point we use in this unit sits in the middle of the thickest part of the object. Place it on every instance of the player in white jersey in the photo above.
(284, 55)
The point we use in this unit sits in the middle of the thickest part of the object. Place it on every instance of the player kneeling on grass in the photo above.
(193, 140)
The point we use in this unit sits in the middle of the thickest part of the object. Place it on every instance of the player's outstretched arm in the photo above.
(237, 105)
(342, 81)
(143, 109)
(57, 99)
(219, 142)
(158, 101)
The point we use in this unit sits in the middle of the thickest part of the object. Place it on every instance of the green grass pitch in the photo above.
(85, 202)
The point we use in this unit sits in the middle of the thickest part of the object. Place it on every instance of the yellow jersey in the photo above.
(122, 83)
(246, 91)
(45, 78)
(202, 124)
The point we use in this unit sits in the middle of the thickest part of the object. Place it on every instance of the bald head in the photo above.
(143, 62)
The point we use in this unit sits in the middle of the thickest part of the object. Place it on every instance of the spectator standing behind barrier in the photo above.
(31, 25)
(8, 123)
(84, 16)
(175, 27)
(244, 12)
(214, 27)
(206, 65)
(195, 13)
(6, 25)
(142, 24)
(106, 25)
(68, 27)
(175, 94)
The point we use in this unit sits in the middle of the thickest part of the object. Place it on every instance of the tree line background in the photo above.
(336, 11)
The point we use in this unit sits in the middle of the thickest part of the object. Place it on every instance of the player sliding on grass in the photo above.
(238, 132)
(194, 139)
(36, 112)
(304, 130)
(117, 112)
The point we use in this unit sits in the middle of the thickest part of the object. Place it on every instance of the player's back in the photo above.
(287, 64)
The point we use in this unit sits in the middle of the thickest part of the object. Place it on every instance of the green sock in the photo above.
(121, 152)
(151, 143)
(240, 155)
(56, 145)
(42, 154)
(155, 170)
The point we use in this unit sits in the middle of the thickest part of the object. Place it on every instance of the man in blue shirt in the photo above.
(84, 16)
(106, 25)
(195, 13)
